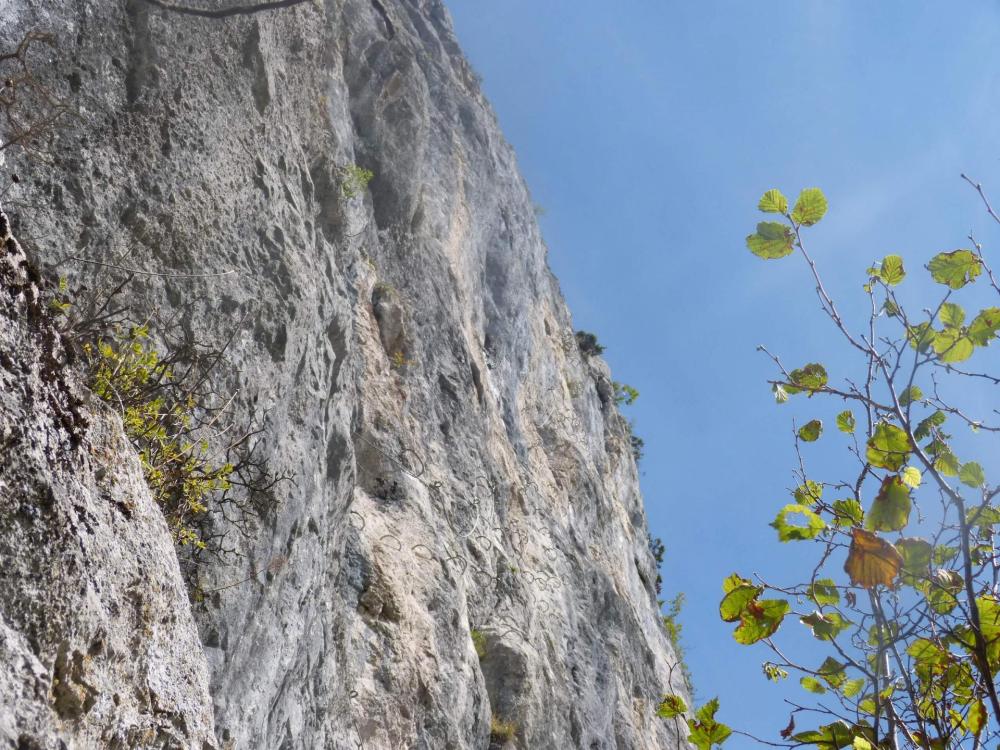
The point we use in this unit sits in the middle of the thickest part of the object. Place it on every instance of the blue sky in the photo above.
(648, 129)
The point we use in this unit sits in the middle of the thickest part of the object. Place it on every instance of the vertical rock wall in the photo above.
(98, 647)
(455, 465)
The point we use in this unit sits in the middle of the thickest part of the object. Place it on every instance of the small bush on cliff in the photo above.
(479, 643)
(636, 443)
(354, 180)
(588, 344)
(204, 471)
(502, 731)
(625, 395)
(160, 420)
(672, 624)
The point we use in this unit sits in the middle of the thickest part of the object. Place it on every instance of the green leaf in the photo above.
(867, 705)
(951, 346)
(828, 737)
(984, 516)
(911, 394)
(853, 687)
(705, 731)
(891, 271)
(813, 685)
(927, 425)
(826, 626)
(911, 477)
(921, 336)
(989, 618)
(780, 394)
(975, 719)
(788, 532)
(809, 493)
(926, 652)
(888, 448)
(810, 431)
(812, 377)
(734, 581)
(848, 512)
(845, 421)
(943, 554)
(955, 269)
(942, 600)
(761, 619)
(771, 240)
(736, 599)
(891, 509)
(984, 326)
(947, 462)
(824, 592)
(773, 202)
(952, 315)
(832, 672)
(810, 207)
(916, 556)
(671, 706)
(972, 474)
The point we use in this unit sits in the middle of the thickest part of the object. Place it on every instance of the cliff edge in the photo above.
(457, 554)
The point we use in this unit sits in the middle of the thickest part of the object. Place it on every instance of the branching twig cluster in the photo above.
(29, 110)
(914, 631)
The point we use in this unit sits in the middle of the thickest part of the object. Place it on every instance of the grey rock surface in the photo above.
(455, 464)
(97, 643)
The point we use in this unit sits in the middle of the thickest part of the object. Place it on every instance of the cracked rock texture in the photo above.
(455, 465)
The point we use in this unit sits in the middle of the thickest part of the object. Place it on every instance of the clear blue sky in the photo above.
(648, 129)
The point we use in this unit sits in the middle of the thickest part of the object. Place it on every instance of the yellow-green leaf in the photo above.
(824, 592)
(810, 207)
(955, 269)
(810, 431)
(671, 706)
(773, 202)
(812, 377)
(891, 509)
(771, 240)
(951, 315)
(911, 477)
(813, 685)
(984, 326)
(972, 474)
(761, 619)
(888, 448)
(848, 512)
(845, 421)
(891, 271)
(788, 532)
(809, 493)
(910, 395)
(739, 592)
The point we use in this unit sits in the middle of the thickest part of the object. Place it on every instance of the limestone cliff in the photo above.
(455, 464)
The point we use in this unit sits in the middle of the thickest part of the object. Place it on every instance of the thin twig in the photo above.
(150, 273)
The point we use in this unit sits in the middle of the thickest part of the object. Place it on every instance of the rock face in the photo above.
(457, 473)
(97, 642)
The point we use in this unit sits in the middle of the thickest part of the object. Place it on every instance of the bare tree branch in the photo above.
(235, 10)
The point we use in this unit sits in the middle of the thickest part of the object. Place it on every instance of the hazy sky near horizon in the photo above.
(647, 131)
